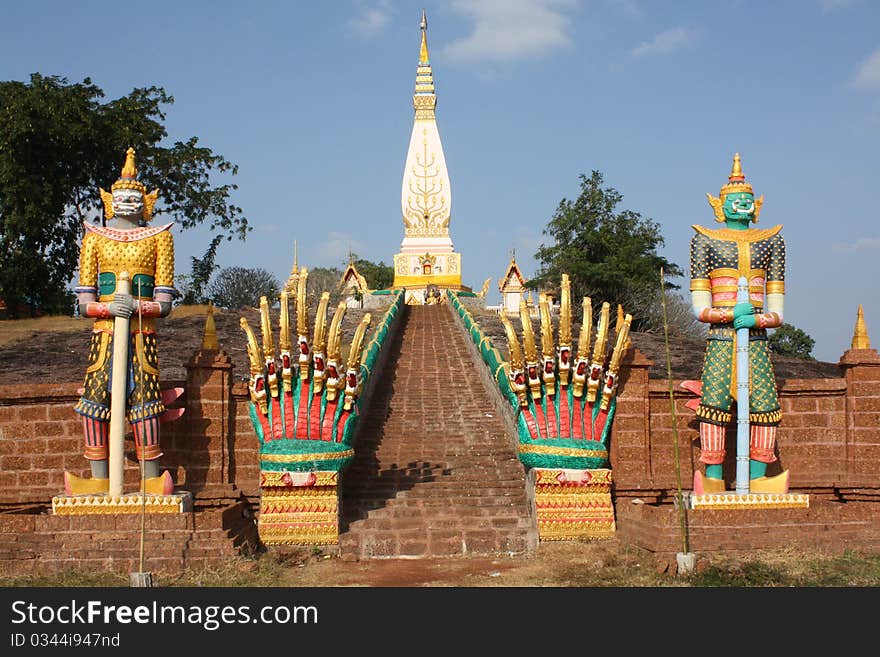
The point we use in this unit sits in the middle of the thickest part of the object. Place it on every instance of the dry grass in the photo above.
(16, 330)
(554, 564)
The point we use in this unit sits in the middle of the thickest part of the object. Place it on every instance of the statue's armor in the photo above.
(718, 258)
(147, 254)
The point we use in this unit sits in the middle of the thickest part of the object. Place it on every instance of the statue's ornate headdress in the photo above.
(736, 184)
(128, 180)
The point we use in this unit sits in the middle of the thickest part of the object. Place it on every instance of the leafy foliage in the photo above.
(192, 286)
(379, 276)
(788, 340)
(240, 287)
(60, 142)
(609, 254)
(320, 280)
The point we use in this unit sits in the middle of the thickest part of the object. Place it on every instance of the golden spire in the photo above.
(129, 170)
(209, 341)
(736, 171)
(292, 281)
(128, 176)
(423, 51)
(424, 100)
(860, 335)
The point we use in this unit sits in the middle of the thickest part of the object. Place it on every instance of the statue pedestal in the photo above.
(299, 508)
(573, 504)
(733, 500)
(132, 503)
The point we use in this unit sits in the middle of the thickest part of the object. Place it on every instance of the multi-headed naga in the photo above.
(305, 421)
(565, 408)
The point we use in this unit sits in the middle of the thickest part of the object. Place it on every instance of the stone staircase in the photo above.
(435, 471)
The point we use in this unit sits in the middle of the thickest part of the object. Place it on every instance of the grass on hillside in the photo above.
(15, 330)
(558, 564)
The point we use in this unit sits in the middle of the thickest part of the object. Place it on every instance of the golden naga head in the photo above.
(128, 180)
(736, 184)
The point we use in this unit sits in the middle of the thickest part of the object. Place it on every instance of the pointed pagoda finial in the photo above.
(424, 100)
(423, 51)
(860, 335)
(209, 341)
(736, 172)
(292, 281)
(129, 170)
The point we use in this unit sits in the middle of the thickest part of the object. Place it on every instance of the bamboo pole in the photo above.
(681, 519)
(118, 400)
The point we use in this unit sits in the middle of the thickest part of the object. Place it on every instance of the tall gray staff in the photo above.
(742, 396)
(119, 374)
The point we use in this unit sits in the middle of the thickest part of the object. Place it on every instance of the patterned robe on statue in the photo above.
(718, 258)
(147, 254)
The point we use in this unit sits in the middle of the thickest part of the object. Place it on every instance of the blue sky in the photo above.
(313, 101)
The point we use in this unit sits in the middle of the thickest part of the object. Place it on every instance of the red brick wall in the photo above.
(210, 451)
(829, 437)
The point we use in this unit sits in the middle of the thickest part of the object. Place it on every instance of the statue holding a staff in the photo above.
(718, 259)
(126, 281)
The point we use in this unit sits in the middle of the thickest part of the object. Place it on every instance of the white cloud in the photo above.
(666, 42)
(868, 74)
(861, 244)
(864, 243)
(507, 30)
(334, 250)
(629, 7)
(833, 5)
(372, 20)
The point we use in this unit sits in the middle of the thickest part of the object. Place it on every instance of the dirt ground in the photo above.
(55, 349)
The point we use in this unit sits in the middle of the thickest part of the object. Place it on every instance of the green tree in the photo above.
(788, 340)
(379, 276)
(609, 254)
(192, 286)
(60, 142)
(323, 279)
(240, 287)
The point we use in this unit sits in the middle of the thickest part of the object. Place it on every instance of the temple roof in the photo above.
(512, 270)
(350, 273)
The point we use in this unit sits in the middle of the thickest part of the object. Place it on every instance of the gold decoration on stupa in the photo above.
(292, 284)
(424, 100)
(860, 338)
(209, 341)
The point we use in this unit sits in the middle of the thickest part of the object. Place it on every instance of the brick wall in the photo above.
(829, 437)
(211, 450)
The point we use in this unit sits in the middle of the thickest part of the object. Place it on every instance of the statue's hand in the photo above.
(745, 321)
(123, 305)
(741, 309)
